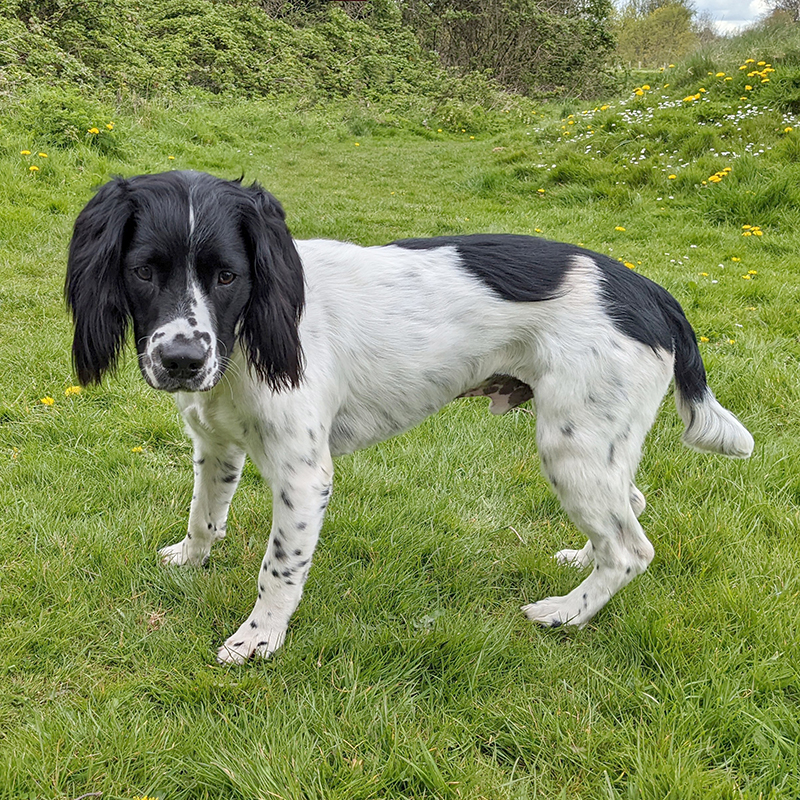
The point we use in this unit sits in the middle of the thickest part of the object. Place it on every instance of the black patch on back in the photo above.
(518, 268)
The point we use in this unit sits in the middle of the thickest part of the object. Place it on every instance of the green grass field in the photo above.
(409, 671)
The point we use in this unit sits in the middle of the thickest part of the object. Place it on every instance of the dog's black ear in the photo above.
(94, 287)
(270, 320)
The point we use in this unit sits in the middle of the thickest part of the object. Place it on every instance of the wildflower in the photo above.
(704, 274)
(33, 168)
(720, 75)
(540, 191)
(646, 87)
(735, 258)
(748, 87)
(93, 130)
(750, 61)
(170, 158)
(731, 341)
(672, 177)
(704, 338)
(761, 63)
(670, 65)
(356, 144)
(24, 152)
(70, 390)
(47, 401)
(42, 155)
(438, 130)
(110, 126)
(746, 277)
(629, 265)
(788, 129)
(137, 449)
(604, 108)
(752, 272)
(619, 228)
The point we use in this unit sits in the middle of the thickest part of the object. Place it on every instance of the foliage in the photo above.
(661, 35)
(527, 45)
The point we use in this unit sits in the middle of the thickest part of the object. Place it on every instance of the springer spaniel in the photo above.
(293, 352)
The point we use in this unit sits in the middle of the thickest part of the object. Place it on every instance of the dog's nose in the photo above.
(182, 358)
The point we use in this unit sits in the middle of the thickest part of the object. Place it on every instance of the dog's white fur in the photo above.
(389, 336)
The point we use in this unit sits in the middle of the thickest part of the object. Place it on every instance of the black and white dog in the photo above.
(292, 352)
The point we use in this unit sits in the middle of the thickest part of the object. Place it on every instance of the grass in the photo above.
(408, 671)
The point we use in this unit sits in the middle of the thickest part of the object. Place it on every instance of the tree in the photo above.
(652, 35)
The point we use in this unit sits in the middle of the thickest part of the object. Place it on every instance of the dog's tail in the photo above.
(709, 427)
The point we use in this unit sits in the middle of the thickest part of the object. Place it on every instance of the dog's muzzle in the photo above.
(181, 364)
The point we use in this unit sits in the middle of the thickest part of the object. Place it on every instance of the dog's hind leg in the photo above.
(590, 430)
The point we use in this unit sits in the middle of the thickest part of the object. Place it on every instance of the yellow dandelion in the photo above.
(24, 152)
(731, 341)
(47, 401)
(42, 155)
(356, 144)
(762, 63)
(170, 158)
(704, 274)
(619, 228)
(646, 87)
(747, 233)
(137, 449)
(702, 91)
(720, 75)
(33, 168)
(750, 61)
(110, 126)
(746, 277)
(670, 65)
(604, 108)
(629, 265)
(639, 93)
(540, 191)
(704, 338)
(765, 80)
(70, 390)
(752, 272)
(537, 230)
(672, 177)
(746, 227)
(788, 129)
(748, 87)
(438, 130)
(758, 232)
(735, 259)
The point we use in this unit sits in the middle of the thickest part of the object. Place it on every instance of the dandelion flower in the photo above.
(170, 158)
(735, 258)
(110, 126)
(720, 75)
(33, 168)
(752, 272)
(704, 274)
(788, 129)
(356, 144)
(672, 177)
(619, 228)
(704, 338)
(746, 277)
(24, 152)
(137, 449)
(70, 390)
(93, 130)
(47, 401)
(42, 155)
(540, 191)
(748, 87)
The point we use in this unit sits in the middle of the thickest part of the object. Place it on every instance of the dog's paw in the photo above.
(574, 558)
(182, 553)
(553, 612)
(252, 639)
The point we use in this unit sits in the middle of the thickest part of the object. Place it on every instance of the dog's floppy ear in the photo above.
(269, 322)
(94, 287)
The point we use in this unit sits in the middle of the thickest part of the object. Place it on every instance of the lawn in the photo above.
(408, 670)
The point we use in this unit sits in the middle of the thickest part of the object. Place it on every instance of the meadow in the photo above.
(408, 670)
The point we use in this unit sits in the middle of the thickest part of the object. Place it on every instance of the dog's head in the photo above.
(196, 263)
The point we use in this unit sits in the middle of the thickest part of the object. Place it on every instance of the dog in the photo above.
(293, 352)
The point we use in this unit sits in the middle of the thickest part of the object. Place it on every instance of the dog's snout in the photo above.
(182, 358)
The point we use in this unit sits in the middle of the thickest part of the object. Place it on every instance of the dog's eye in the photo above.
(225, 277)
(143, 273)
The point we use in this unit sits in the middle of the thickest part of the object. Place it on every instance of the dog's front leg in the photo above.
(300, 496)
(217, 469)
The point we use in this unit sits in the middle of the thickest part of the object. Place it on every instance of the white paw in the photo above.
(182, 553)
(552, 612)
(574, 558)
(252, 639)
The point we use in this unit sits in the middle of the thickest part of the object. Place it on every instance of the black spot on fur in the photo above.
(298, 552)
(275, 574)
(188, 535)
(229, 478)
(192, 321)
(557, 623)
(210, 526)
(568, 430)
(301, 526)
(253, 623)
(286, 501)
(611, 453)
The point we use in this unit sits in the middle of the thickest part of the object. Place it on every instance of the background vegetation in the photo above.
(409, 671)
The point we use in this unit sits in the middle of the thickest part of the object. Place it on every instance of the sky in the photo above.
(731, 15)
